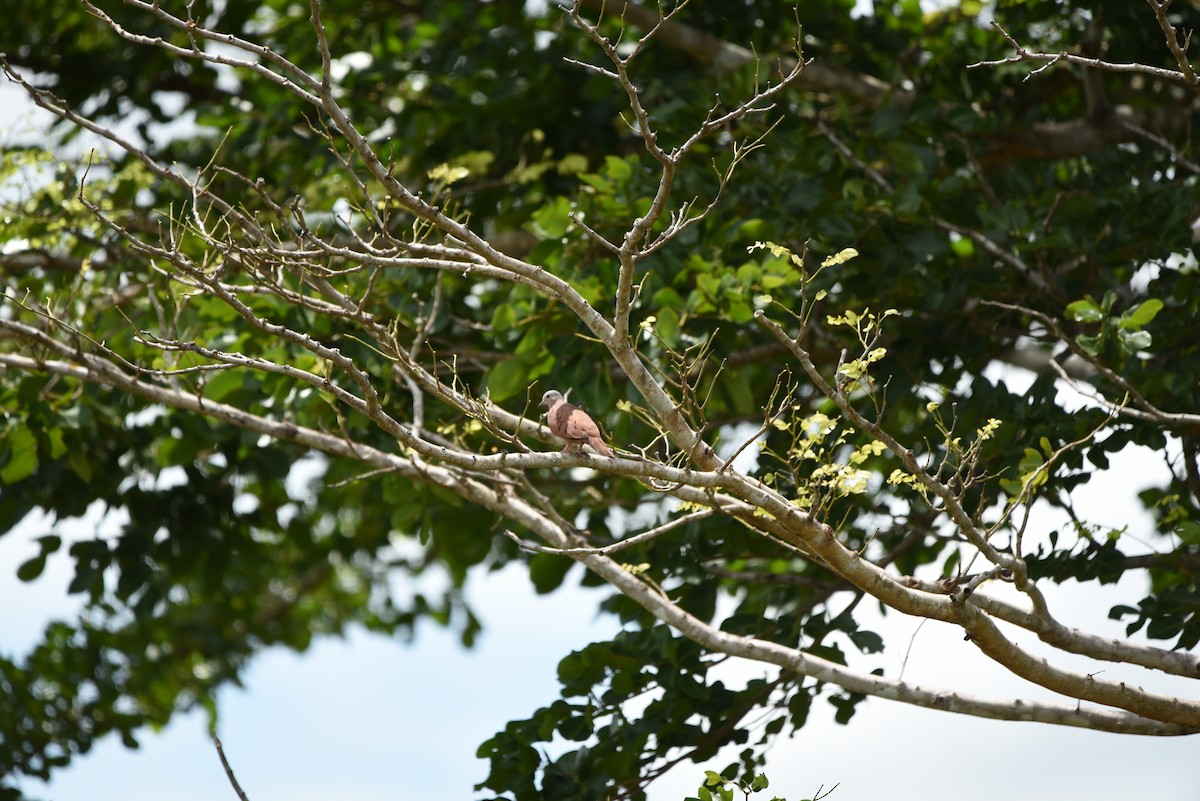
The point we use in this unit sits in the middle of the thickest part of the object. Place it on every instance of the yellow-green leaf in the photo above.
(22, 455)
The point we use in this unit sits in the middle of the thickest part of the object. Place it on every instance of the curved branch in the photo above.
(806, 664)
(987, 636)
(1051, 632)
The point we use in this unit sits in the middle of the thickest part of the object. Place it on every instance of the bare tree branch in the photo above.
(1048, 59)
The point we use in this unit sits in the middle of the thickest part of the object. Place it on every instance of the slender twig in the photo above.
(628, 542)
(907, 458)
(237, 788)
(1160, 8)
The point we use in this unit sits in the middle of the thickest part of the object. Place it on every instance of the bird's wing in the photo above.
(579, 427)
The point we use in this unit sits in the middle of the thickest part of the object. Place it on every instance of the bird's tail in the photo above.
(599, 447)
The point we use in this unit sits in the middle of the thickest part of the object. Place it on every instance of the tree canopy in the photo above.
(781, 253)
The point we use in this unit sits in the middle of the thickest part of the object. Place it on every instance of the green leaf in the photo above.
(223, 384)
(1142, 315)
(841, 257)
(799, 706)
(547, 571)
(845, 706)
(507, 378)
(962, 247)
(951, 562)
(572, 164)
(57, 446)
(617, 168)
(1091, 344)
(1134, 341)
(830, 652)
(552, 220)
(1084, 311)
(32, 568)
(1188, 532)
(22, 458)
(709, 284)
(668, 298)
(741, 397)
(49, 543)
(575, 728)
(405, 517)
(904, 158)
(753, 230)
(1119, 611)
(667, 326)
(867, 641)
(504, 318)
(1164, 628)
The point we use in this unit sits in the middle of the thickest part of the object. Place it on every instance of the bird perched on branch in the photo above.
(572, 425)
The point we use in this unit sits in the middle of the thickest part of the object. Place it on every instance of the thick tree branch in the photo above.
(1051, 632)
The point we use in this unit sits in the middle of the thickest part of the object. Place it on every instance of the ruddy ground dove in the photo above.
(572, 425)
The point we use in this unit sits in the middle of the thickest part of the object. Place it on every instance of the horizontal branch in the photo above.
(1024, 55)
(988, 638)
(620, 545)
(1051, 632)
(797, 661)
(25, 260)
(1071, 138)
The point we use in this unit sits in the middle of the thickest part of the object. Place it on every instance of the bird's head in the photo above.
(551, 397)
